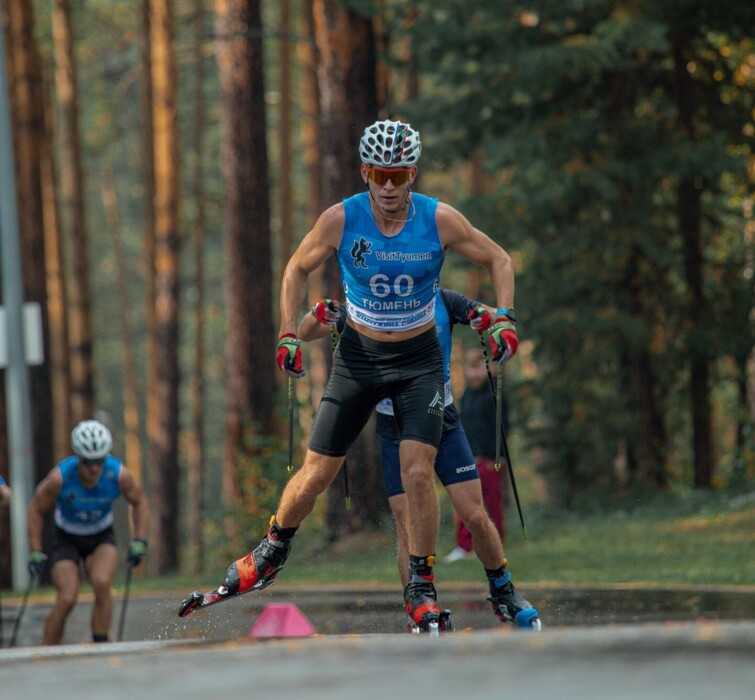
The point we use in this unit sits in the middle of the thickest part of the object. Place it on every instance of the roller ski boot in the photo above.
(255, 571)
(421, 605)
(510, 606)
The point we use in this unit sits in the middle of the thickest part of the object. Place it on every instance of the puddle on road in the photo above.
(334, 612)
(337, 613)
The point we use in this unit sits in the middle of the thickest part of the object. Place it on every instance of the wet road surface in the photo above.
(640, 643)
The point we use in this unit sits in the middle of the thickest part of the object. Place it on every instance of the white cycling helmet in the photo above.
(390, 144)
(91, 440)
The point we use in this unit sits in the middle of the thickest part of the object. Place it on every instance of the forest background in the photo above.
(170, 155)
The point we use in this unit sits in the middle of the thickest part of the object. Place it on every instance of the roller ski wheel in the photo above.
(511, 607)
(432, 624)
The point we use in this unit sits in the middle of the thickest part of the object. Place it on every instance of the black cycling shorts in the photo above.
(365, 371)
(78, 547)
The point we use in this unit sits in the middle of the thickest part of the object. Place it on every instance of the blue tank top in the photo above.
(87, 511)
(2, 481)
(443, 329)
(390, 281)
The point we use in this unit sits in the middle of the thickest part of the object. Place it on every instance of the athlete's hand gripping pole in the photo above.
(480, 320)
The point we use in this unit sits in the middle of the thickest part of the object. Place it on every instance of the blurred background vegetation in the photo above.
(171, 155)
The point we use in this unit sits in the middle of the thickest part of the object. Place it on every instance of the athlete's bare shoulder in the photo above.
(452, 224)
(329, 226)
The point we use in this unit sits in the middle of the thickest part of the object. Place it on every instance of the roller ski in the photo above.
(421, 605)
(510, 606)
(254, 572)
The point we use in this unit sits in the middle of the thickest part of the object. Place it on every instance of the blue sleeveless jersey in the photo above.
(390, 281)
(2, 481)
(83, 511)
(443, 328)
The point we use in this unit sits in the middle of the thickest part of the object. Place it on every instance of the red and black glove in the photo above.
(501, 339)
(479, 318)
(326, 311)
(288, 355)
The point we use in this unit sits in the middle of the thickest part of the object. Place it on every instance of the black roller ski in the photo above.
(198, 600)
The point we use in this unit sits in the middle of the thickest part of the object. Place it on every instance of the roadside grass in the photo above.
(689, 538)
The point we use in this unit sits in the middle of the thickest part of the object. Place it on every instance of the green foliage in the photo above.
(574, 107)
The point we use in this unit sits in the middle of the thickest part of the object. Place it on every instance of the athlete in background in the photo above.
(82, 489)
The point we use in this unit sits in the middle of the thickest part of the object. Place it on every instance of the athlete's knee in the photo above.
(66, 599)
(101, 585)
(476, 519)
(416, 470)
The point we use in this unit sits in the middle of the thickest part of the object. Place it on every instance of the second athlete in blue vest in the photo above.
(82, 489)
(390, 244)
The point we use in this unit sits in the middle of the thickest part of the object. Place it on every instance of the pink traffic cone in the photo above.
(281, 620)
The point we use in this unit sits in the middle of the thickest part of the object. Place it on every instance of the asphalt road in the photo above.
(666, 661)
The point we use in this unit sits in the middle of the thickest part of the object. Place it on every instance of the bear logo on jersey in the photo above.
(359, 250)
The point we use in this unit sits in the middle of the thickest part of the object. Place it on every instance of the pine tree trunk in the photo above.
(163, 405)
(148, 177)
(248, 279)
(285, 201)
(689, 217)
(130, 381)
(348, 100)
(57, 307)
(195, 442)
(74, 216)
(319, 353)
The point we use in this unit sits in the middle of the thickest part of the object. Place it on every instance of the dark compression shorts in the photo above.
(365, 371)
(78, 547)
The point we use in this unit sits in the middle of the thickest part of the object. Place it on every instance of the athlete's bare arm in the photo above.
(134, 495)
(457, 234)
(316, 247)
(311, 329)
(4, 495)
(42, 502)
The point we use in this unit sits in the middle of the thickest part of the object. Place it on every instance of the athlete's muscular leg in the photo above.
(398, 506)
(417, 476)
(65, 578)
(101, 566)
(466, 498)
(303, 488)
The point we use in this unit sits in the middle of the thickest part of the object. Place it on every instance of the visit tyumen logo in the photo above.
(359, 250)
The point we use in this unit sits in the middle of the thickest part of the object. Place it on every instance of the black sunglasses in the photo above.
(91, 462)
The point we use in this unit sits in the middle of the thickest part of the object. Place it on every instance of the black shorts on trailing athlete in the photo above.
(78, 547)
(365, 371)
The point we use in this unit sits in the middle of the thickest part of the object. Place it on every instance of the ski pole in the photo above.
(124, 605)
(497, 394)
(290, 424)
(21, 611)
(334, 338)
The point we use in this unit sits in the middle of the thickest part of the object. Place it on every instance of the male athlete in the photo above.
(389, 243)
(82, 489)
(454, 463)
